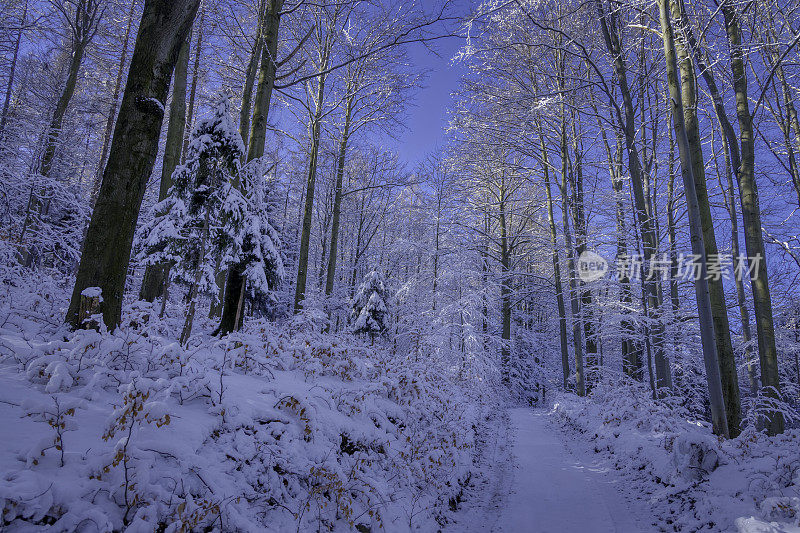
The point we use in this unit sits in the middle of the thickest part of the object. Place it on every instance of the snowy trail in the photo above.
(551, 490)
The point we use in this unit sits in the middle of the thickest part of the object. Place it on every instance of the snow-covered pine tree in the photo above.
(206, 223)
(369, 313)
(188, 228)
(252, 240)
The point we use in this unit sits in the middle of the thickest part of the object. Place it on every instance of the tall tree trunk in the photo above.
(308, 212)
(112, 112)
(671, 231)
(704, 309)
(235, 282)
(250, 74)
(506, 290)
(739, 266)
(562, 311)
(330, 278)
(577, 338)
(719, 309)
(585, 294)
(107, 246)
(751, 213)
(195, 78)
(57, 121)
(631, 355)
(733, 165)
(646, 227)
(155, 275)
(12, 70)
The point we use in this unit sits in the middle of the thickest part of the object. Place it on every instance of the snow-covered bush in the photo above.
(692, 479)
(280, 427)
(369, 313)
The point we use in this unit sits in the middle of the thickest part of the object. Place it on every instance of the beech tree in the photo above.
(105, 255)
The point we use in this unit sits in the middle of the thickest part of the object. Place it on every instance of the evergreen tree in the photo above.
(192, 213)
(206, 223)
(369, 313)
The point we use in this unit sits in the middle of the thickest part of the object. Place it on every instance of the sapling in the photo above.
(207, 223)
(59, 416)
(369, 313)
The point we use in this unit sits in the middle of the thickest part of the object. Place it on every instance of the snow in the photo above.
(270, 429)
(93, 292)
(552, 490)
(284, 427)
(555, 492)
(690, 479)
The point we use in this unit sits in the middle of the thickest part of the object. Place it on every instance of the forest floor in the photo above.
(549, 482)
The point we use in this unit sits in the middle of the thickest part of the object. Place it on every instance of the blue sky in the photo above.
(427, 118)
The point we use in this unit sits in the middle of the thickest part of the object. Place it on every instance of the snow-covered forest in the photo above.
(234, 298)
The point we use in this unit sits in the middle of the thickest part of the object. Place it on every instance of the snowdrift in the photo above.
(692, 480)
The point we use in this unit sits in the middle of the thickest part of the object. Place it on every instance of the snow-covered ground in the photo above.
(618, 462)
(276, 428)
(545, 487)
(285, 428)
(556, 491)
(688, 478)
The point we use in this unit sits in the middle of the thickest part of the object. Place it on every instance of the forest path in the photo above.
(550, 488)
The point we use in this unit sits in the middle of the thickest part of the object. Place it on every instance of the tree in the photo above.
(106, 254)
(189, 227)
(707, 329)
(719, 310)
(83, 18)
(369, 313)
(751, 213)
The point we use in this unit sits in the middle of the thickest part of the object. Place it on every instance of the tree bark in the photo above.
(155, 275)
(107, 246)
(195, 77)
(506, 289)
(744, 312)
(585, 294)
(707, 333)
(719, 309)
(193, 292)
(337, 200)
(562, 311)
(250, 75)
(577, 339)
(751, 213)
(61, 108)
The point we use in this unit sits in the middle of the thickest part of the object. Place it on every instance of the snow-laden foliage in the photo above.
(207, 222)
(256, 243)
(692, 480)
(369, 313)
(187, 228)
(272, 428)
